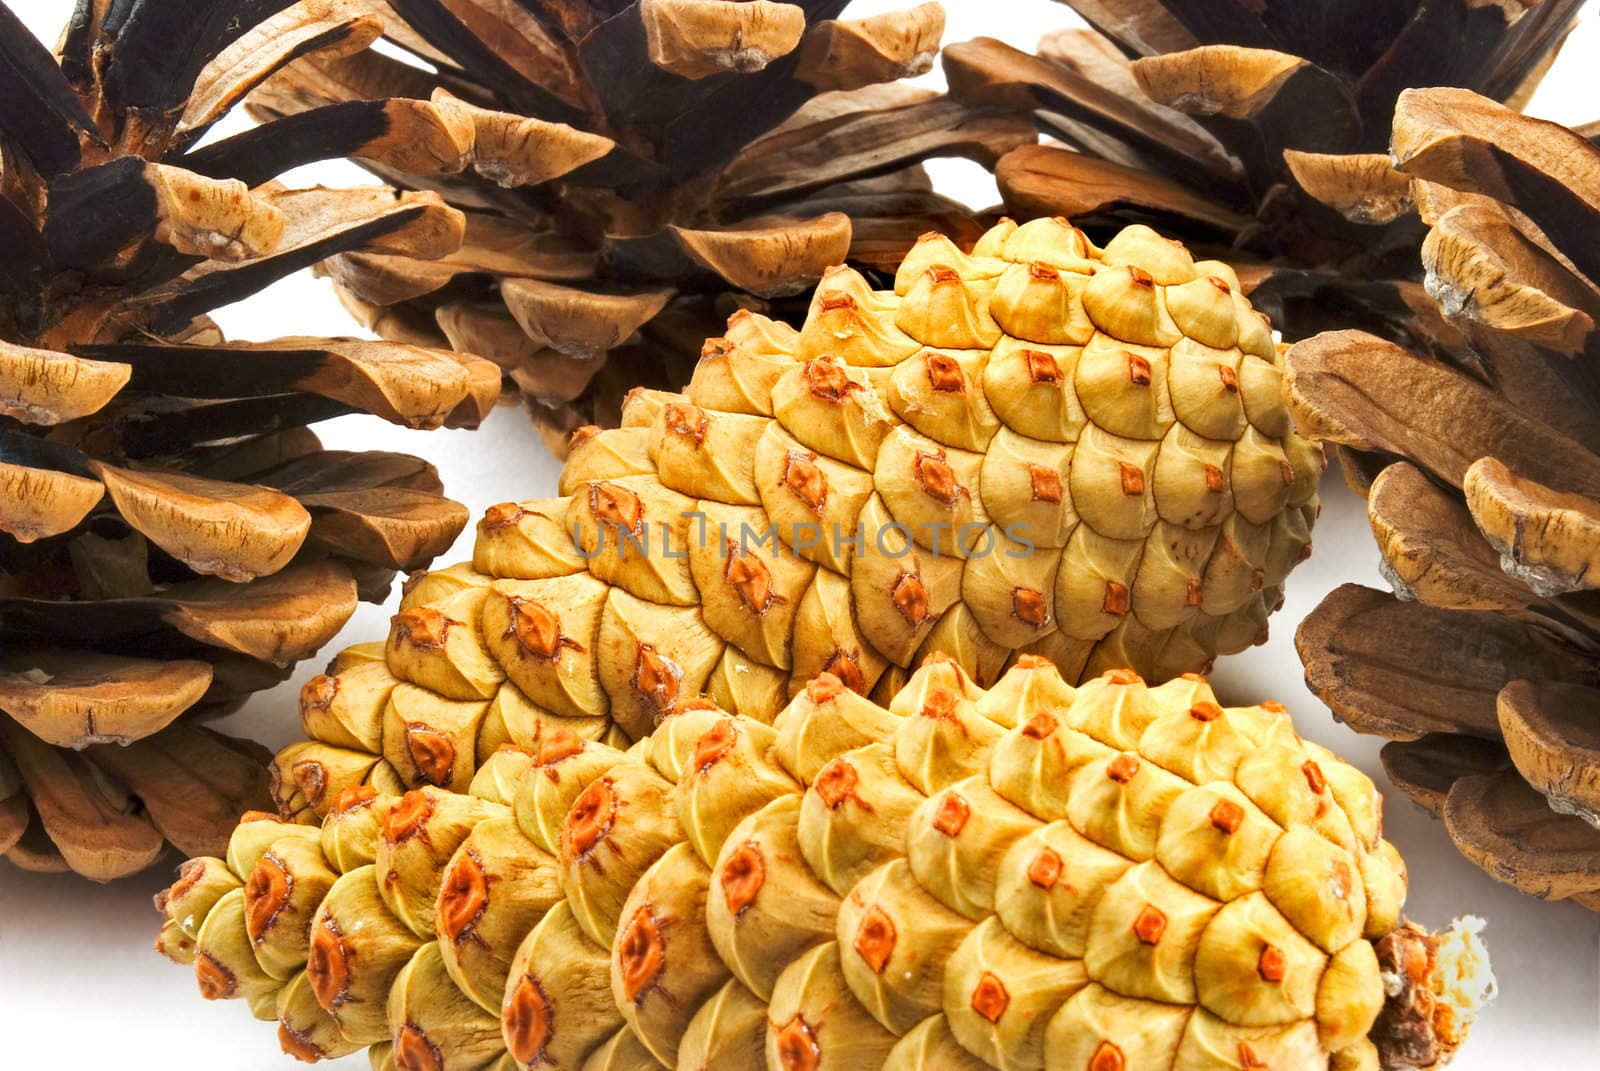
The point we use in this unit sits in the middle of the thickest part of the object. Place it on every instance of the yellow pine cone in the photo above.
(1040, 446)
(1033, 877)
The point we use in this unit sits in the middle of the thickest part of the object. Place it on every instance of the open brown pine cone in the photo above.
(1484, 495)
(1017, 449)
(633, 172)
(174, 537)
(1256, 132)
(1035, 877)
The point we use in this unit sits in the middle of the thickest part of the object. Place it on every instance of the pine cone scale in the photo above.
(854, 886)
(1483, 517)
(647, 146)
(849, 498)
(136, 468)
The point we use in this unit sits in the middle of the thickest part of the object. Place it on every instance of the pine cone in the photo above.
(1131, 877)
(1016, 450)
(175, 537)
(1257, 133)
(633, 172)
(1485, 500)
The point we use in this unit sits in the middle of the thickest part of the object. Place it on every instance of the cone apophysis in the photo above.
(1041, 446)
(1033, 877)
(632, 172)
(173, 535)
(1256, 132)
(1485, 498)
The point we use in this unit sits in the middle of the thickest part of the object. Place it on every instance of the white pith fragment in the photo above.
(1463, 979)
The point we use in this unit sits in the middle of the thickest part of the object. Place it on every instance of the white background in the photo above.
(79, 984)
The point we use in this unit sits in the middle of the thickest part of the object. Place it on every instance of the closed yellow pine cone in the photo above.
(1039, 446)
(1112, 875)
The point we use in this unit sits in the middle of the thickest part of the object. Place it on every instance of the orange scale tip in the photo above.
(641, 953)
(615, 505)
(319, 692)
(266, 894)
(1107, 1057)
(536, 628)
(797, 1046)
(216, 981)
(1150, 925)
(408, 817)
(944, 374)
(875, 939)
(952, 816)
(298, 1045)
(591, 817)
(433, 753)
(1044, 485)
(463, 898)
(1042, 367)
(414, 1051)
(744, 874)
(1227, 816)
(989, 997)
(1271, 966)
(836, 782)
(1314, 777)
(940, 705)
(557, 744)
(687, 421)
(1122, 769)
(1046, 868)
(937, 478)
(1040, 725)
(715, 348)
(424, 628)
(189, 875)
(328, 965)
(824, 688)
(354, 796)
(750, 579)
(843, 665)
(806, 480)
(308, 775)
(714, 744)
(825, 377)
(527, 1020)
(501, 515)
(1116, 602)
(910, 598)
(1029, 607)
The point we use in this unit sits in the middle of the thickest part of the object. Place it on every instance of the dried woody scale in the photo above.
(632, 173)
(1482, 477)
(1258, 133)
(1042, 446)
(172, 535)
(1037, 876)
